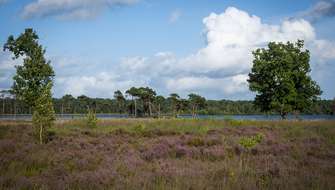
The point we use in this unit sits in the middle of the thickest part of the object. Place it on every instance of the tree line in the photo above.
(122, 103)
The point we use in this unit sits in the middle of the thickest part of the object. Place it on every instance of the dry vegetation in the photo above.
(170, 154)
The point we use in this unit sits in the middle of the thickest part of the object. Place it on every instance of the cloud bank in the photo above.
(218, 70)
(71, 9)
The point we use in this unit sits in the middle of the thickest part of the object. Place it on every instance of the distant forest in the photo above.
(71, 105)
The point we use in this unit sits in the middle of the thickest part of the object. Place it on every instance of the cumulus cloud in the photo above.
(231, 37)
(218, 70)
(174, 16)
(324, 8)
(102, 84)
(71, 9)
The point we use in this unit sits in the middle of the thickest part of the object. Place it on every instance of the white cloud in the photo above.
(7, 69)
(218, 70)
(231, 37)
(71, 9)
(102, 85)
(228, 85)
(174, 16)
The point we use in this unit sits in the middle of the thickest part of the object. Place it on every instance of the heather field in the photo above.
(170, 154)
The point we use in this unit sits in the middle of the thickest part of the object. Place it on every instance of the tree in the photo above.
(4, 94)
(280, 77)
(147, 96)
(196, 102)
(33, 79)
(182, 105)
(133, 92)
(68, 101)
(44, 114)
(174, 98)
(85, 103)
(36, 72)
(120, 100)
(159, 100)
(333, 107)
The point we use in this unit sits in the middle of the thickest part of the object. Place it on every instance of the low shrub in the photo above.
(91, 119)
(249, 142)
(196, 141)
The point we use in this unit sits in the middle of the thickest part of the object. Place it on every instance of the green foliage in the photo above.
(197, 102)
(280, 76)
(139, 129)
(249, 142)
(33, 80)
(146, 96)
(121, 100)
(36, 72)
(44, 114)
(91, 119)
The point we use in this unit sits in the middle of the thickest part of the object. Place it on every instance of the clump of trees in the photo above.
(33, 80)
(145, 102)
(280, 77)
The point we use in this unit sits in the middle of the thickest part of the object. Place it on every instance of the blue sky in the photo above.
(97, 47)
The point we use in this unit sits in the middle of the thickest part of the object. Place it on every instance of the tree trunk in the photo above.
(135, 111)
(193, 111)
(150, 113)
(14, 109)
(62, 111)
(159, 110)
(282, 112)
(41, 134)
(3, 106)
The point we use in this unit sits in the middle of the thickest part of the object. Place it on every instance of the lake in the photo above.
(218, 117)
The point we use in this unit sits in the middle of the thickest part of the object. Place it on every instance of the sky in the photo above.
(193, 46)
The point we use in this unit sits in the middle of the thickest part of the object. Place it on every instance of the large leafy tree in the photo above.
(34, 79)
(280, 77)
(36, 72)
